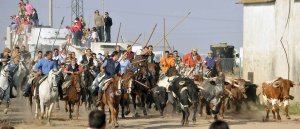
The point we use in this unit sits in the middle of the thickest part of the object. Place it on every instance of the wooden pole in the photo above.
(118, 34)
(151, 35)
(176, 25)
(164, 34)
(137, 39)
(62, 21)
(169, 46)
(37, 42)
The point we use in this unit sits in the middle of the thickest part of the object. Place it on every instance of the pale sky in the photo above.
(211, 21)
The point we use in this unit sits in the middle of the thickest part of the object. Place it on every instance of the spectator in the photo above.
(35, 18)
(14, 22)
(28, 8)
(76, 30)
(118, 49)
(27, 24)
(219, 125)
(21, 9)
(97, 120)
(108, 24)
(99, 24)
(95, 35)
(82, 21)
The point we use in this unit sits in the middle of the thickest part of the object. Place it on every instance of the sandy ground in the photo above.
(21, 117)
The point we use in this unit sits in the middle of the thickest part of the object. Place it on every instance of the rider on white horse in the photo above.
(42, 68)
(5, 58)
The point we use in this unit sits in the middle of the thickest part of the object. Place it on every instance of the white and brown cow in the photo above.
(276, 93)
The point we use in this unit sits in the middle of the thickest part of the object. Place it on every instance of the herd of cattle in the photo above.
(195, 93)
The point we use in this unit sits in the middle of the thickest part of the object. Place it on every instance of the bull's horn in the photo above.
(181, 83)
(276, 84)
(235, 85)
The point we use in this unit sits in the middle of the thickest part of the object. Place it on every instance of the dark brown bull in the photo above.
(111, 97)
(73, 96)
(275, 93)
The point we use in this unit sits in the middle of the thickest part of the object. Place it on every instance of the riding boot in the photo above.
(27, 90)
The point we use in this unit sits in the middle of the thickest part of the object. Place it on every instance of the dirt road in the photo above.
(20, 117)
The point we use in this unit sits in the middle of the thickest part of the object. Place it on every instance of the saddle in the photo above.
(43, 79)
(105, 84)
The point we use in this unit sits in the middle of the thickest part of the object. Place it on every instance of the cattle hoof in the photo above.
(145, 113)
(288, 117)
(116, 125)
(5, 111)
(66, 110)
(278, 118)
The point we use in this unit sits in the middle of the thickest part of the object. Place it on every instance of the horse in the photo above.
(20, 76)
(5, 88)
(86, 81)
(48, 94)
(73, 96)
(111, 97)
(141, 88)
(127, 79)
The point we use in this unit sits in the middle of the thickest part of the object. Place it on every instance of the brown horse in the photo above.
(73, 95)
(127, 79)
(111, 97)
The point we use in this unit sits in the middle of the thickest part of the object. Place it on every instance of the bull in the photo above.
(212, 95)
(185, 92)
(160, 97)
(274, 94)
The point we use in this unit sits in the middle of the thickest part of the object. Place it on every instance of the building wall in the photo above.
(264, 26)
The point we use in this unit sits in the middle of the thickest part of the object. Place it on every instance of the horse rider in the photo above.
(4, 56)
(167, 63)
(130, 55)
(124, 63)
(87, 58)
(191, 61)
(151, 55)
(209, 62)
(72, 68)
(42, 68)
(110, 68)
(178, 61)
(16, 57)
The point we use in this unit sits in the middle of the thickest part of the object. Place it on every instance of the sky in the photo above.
(210, 21)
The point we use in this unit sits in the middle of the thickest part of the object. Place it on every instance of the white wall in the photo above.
(264, 25)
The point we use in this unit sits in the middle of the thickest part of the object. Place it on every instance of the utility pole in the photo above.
(51, 13)
(165, 35)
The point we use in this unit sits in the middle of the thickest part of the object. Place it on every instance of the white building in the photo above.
(271, 27)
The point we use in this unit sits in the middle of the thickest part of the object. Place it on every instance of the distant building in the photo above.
(266, 24)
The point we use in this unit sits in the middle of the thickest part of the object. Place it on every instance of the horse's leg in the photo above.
(143, 99)
(46, 111)
(134, 104)
(30, 102)
(77, 110)
(113, 113)
(57, 104)
(122, 103)
(42, 110)
(49, 112)
(36, 108)
(70, 110)
(66, 106)
(183, 117)
(222, 109)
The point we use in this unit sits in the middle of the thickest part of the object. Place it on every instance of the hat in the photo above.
(6, 50)
(210, 52)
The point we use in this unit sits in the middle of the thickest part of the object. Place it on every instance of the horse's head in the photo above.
(53, 77)
(127, 80)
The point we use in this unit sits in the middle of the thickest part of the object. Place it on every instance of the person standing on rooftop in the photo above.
(99, 24)
(108, 24)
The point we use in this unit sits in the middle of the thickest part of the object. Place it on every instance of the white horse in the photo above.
(48, 94)
(4, 86)
(20, 76)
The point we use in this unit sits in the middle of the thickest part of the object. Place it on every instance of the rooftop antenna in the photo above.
(76, 9)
